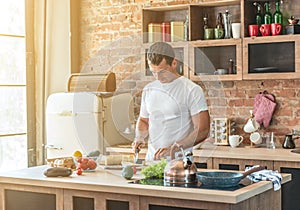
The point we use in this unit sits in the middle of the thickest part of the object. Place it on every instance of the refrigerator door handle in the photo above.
(51, 146)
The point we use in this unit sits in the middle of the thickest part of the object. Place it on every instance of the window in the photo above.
(13, 103)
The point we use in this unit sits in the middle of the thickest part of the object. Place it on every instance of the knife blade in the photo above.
(136, 157)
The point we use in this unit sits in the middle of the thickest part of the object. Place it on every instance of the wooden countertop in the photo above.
(207, 149)
(252, 153)
(111, 181)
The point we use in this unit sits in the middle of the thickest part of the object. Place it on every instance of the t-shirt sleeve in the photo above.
(143, 111)
(197, 101)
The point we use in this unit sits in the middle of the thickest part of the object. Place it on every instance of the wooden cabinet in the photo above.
(256, 202)
(239, 164)
(19, 197)
(207, 56)
(88, 200)
(270, 57)
(290, 191)
(181, 53)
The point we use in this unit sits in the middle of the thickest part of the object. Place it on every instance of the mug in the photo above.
(236, 30)
(251, 126)
(255, 137)
(208, 33)
(265, 29)
(221, 71)
(219, 33)
(276, 29)
(253, 30)
(235, 140)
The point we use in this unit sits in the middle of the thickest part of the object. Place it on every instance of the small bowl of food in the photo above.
(87, 163)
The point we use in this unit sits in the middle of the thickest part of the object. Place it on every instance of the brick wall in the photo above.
(111, 41)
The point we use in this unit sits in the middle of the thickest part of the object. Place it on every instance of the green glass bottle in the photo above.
(258, 15)
(277, 16)
(267, 15)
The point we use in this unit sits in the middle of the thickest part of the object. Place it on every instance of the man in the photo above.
(173, 111)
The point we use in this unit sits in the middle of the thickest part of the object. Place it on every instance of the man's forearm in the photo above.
(141, 130)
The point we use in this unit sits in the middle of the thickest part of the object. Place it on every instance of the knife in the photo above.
(136, 157)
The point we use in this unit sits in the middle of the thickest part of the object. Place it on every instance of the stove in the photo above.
(160, 182)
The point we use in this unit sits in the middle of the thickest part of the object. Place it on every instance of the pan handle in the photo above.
(255, 169)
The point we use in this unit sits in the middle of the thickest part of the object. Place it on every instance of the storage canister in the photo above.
(166, 32)
(154, 32)
(177, 31)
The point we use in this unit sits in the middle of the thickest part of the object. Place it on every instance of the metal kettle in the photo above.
(180, 171)
(288, 142)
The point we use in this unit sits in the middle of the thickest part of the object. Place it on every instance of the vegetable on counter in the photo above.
(127, 172)
(57, 171)
(155, 170)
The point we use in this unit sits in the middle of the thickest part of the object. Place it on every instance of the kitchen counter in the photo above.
(207, 149)
(112, 182)
(246, 152)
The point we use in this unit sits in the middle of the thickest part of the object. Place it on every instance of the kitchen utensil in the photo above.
(236, 30)
(255, 138)
(251, 126)
(288, 142)
(221, 71)
(224, 179)
(136, 157)
(219, 33)
(235, 140)
(253, 30)
(208, 33)
(268, 138)
(182, 171)
(265, 29)
(227, 24)
(276, 29)
(265, 69)
(296, 151)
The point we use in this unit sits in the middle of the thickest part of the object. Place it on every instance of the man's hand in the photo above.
(162, 153)
(137, 145)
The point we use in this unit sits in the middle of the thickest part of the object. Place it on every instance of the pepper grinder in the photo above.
(227, 24)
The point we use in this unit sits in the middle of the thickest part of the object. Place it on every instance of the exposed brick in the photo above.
(111, 31)
(288, 112)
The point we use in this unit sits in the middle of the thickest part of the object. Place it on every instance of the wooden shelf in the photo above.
(242, 11)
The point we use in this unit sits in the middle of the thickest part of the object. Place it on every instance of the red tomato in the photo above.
(134, 169)
(79, 171)
(92, 164)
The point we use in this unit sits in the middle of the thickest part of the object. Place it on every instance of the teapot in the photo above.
(180, 171)
(288, 142)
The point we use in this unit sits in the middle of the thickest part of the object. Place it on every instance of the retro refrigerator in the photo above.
(87, 121)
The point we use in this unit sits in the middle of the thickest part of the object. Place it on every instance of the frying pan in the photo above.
(224, 179)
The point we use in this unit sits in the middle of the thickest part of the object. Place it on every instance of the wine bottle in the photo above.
(268, 15)
(205, 21)
(219, 21)
(277, 16)
(258, 15)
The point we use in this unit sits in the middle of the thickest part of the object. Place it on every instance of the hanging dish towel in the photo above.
(266, 175)
(264, 106)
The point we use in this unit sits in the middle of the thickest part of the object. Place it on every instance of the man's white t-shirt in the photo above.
(169, 107)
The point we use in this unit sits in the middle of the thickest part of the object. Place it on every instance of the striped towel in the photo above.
(266, 175)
